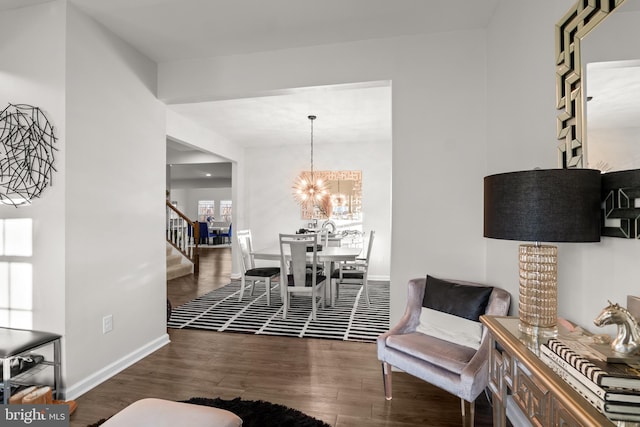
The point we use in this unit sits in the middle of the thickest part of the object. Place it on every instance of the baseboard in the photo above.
(78, 389)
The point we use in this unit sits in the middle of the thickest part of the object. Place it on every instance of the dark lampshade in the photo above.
(543, 205)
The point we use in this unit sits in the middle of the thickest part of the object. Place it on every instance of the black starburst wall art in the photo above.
(26, 153)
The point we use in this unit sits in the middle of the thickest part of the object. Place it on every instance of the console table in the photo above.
(17, 342)
(525, 386)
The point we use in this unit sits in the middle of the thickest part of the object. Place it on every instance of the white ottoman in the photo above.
(160, 413)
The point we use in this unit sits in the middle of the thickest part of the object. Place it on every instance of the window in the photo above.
(16, 273)
(225, 210)
(206, 210)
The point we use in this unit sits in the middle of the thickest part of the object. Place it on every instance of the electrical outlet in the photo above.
(107, 323)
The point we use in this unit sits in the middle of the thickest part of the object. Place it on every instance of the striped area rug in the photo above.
(349, 320)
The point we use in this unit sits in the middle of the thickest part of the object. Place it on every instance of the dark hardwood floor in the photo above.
(338, 382)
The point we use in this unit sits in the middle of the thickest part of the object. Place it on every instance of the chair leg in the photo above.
(333, 286)
(285, 304)
(314, 307)
(386, 379)
(267, 284)
(365, 284)
(468, 416)
(242, 285)
(327, 292)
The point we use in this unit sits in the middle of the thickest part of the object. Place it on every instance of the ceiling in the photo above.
(171, 30)
(344, 114)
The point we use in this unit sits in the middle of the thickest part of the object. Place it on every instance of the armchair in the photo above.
(453, 358)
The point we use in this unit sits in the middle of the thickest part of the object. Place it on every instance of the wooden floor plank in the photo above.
(338, 382)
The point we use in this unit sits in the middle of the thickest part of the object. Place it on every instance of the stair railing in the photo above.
(183, 234)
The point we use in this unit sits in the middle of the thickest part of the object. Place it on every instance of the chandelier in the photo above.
(309, 191)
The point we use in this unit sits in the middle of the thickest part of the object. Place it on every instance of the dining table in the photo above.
(328, 255)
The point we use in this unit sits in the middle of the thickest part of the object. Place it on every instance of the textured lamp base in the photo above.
(538, 304)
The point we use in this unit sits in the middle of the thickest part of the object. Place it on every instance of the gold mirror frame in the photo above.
(583, 17)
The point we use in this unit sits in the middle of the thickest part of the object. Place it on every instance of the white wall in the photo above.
(438, 152)
(98, 236)
(32, 71)
(188, 199)
(522, 135)
(116, 261)
(271, 208)
(184, 130)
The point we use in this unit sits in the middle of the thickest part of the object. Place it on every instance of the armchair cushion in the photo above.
(450, 328)
(457, 299)
(430, 349)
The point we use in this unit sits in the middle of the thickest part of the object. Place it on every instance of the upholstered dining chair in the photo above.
(251, 273)
(227, 236)
(440, 339)
(204, 232)
(213, 235)
(353, 272)
(295, 276)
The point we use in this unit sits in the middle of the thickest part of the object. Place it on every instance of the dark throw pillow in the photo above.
(467, 301)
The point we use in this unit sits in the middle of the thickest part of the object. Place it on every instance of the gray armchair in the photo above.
(459, 369)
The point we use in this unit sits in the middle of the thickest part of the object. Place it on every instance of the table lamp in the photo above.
(541, 205)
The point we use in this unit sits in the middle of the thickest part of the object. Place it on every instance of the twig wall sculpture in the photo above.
(26, 153)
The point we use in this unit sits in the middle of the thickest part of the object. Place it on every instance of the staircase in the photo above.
(181, 242)
(177, 266)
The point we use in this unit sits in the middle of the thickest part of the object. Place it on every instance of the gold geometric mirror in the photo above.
(344, 200)
(620, 188)
(583, 17)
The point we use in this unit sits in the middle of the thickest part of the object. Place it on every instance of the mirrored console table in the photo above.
(524, 387)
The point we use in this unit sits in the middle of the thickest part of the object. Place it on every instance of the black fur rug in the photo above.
(257, 413)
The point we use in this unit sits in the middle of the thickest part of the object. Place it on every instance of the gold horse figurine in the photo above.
(627, 340)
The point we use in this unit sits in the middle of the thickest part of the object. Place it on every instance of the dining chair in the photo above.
(249, 272)
(190, 234)
(203, 232)
(227, 235)
(353, 272)
(213, 235)
(323, 240)
(295, 250)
